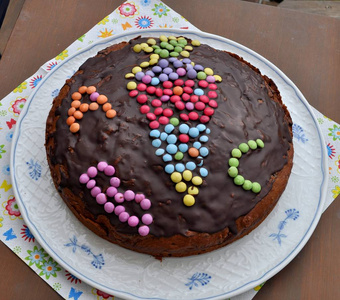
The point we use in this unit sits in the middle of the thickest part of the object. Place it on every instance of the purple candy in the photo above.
(181, 71)
(124, 216)
(167, 70)
(178, 64)
(101, 198)
(163, 63)
(147, 219)
(191, 73)
(189, 106)
(173, 76)
(165, 98)
(101, 166)
(146, 79)
(119, 197)
(145, 204)
(91, 184)
(109, 170)
(163, 77)
(115, 181)
(139, 75)
(84, 178)
(92, 172)
(109, 207)
(143, 230)
(119, 209)
(133, 221)
(210, 79)
(150, 73)
(95, 191)
(111, 191)
(129, 195)
(172, 59)
(198, 68)
(94, 96)
(139, 198)
(156, 69)
(189, 67)
(186, 60)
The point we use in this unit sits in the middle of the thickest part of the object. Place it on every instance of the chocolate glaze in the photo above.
(245, 111)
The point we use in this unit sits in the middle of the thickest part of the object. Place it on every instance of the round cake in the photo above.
(169, 147)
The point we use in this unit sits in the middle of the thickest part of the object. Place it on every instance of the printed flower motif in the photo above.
(114, 21)
(12, 207)
(17, 106)
(165, 26)
(104, 21)
(334, 132)
(335, 179)
(34, 169)
(3, 113)
(20, 87)
(62, 55)
(98, 261)
(101, 295)
(160, 10)
(49, 268)
(175, 19)
(57, 286)
(6, 170)
(336, 191)
(299, 133)
(1, 219)
(51, 65)
(17, 250)
(72, 278)
(258, 287)
(330, 150)
(55, 93)
(36, 256)
(127, 9)
(105, 33)
(337, 163)
(35, 81)
(26, 234)
(145, 2)
(320, 120)
(81, 39)
(2, 150)
(194, 280)
(9, 136)
(144, 22)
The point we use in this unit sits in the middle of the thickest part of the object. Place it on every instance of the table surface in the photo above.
(304, 46)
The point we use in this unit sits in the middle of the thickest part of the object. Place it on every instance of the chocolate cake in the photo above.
(169, 147)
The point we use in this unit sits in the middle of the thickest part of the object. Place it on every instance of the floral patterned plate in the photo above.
(217, 275)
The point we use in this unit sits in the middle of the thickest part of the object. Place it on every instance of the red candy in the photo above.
(133, 93)
(212, 86)
(141, 87)
(158, 111)
(212, 94)
(159, 92)
(163, 120)
(208, 111)
(175, 98)
(167, 84)
(204, 119)
(151, 116)
(179, 82)
(199, 105)
(167, 92)
(187, 90)
(204, 98)
(142, 99)
(213, 103)
(184, 138)
(156, 102)
(185, 97)
(168, 112)
(184, 117)
(204, 84)
(144, 109)
(193, 115)
(179, 105)
(194, 98)
(190, 83)
(150, 89)
(154, 125)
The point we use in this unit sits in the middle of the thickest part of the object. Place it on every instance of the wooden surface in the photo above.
(304, 46)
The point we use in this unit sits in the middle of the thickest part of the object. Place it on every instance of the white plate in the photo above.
(217, 275)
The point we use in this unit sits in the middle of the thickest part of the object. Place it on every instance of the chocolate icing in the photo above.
(245, 111)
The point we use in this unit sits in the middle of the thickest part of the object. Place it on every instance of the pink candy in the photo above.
(143, 230)
(119, 209)
(115, 181)
(101, 198)
(129, 195)
(111, 191)
(94, 96)
(95, 191)
(139, 198)
(147, 219)
(145, 204)
(109, 207)
(92, 172)
(133, 221)
(91, 184)
(109, 170)
(124, 216)
(101, 166)
(84, 178)
(119, 197)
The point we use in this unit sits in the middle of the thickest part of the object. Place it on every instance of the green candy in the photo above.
(163, 44)
(256, 188)
(247, 185)
(239, 180)
(178, 49)
(169, 47)
(164, 53)
(174, 54)
(174, 121)
(182, 41)
(244, 147)
(173, 42)
(201, 75)
(232, 172)
(179, 156)
(155, 46)
(236, 153)
(158, 50)
(252, 144)
(260, 143)
(234, 162)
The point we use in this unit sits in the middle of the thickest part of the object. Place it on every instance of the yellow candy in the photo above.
(193, 190)
(185, 53)
(144, 64)
(195, 43)
(129, 75)
(176, 177)
(187, 175)
(137, 48)
(144, 46)
(218, 78)
(136, 70)
(208, 71)
(188, 48)
(151, 41)
(154, 56)
(197, 180)
(131, 85)
(171, 37)
(188, 200)
(181, 187)
(153, 61)
(148, 49)
(192, 63)
(163, 38)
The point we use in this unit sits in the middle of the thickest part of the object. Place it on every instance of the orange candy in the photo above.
(177, 90)
(91, 89)
(107, 106)
(70, 120)
(74, 127)
(102, 99)
(78, 114)
(93, 106)
(76, 96)
(75, 103)
(193, 152)
(82, 89)
(84, 107)
(71, 111)
(111, 113)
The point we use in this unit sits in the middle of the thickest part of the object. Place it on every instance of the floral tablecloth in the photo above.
(130, 15)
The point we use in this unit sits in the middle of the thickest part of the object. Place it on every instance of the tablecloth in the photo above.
(131, 15)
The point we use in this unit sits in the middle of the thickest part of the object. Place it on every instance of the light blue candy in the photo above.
(167, 158)
(190, 166)
(197, 145)
(169, 169)
(171, 149)
(193, 132)
(164, 136)
(183, 147)
(155, 133)
(204, 172)
(156, 143)
(201, 161)
(204, 151)
(207, 131)
(180, 168)
(159, 152)
(171, 139)
(201, 127)
(184, 128)
(154, 81)
(204, 139)
(198, 92)
(169, 128)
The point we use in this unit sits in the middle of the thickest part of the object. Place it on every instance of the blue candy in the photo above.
(183, 147)
(198, 92)
(154, 81)
(204, 172)
(201, 127)
(155, 133)
(164, 136)
(156, 143)
(169, 128)
(172, 139)
(169, 169)
(180, 168)
(207, 131)
(171, 149)
(200, 164)
(167, 157)
(184, 128)
(197, 145)
(190, 166)
(204, 139)
(204, 151)
(193, 132)
(159, 152)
